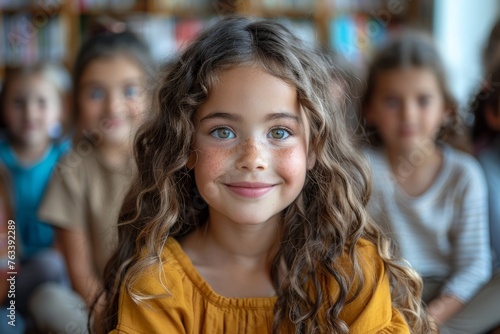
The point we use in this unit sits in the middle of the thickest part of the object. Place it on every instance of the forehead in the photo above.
(111, 70)
(35, 83)
(407, 79)
(251, 87)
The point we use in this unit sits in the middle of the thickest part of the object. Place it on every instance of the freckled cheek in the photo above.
(212, 162)
(290, 164)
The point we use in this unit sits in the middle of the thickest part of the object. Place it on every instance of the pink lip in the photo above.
(114, 122)
(250, 189)
(407, 132)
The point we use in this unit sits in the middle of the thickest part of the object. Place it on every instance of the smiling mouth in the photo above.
(114, 122)
(250, 190)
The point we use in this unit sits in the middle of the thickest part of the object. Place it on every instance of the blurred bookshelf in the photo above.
(52, 30)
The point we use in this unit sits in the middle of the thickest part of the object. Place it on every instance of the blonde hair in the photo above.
(324, 223)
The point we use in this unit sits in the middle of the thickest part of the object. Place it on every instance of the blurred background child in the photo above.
(430, 197)
(84, 197)
(31, 106)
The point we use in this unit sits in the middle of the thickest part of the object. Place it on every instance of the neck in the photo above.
(29, 153)
(246, 245)
(410, 163)
(114, 156)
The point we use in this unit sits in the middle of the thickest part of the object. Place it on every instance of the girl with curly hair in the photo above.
(248, 212)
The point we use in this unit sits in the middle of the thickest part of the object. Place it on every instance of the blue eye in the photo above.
(279, 133)
(131, 91)
(97, 94)
(222, 133)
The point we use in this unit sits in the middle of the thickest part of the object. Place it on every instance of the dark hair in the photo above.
(488, 97)
(108, 45)
(323, 224)
(414, 49)
(491, 53)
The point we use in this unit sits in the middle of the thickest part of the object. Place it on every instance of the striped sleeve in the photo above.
(470, 236)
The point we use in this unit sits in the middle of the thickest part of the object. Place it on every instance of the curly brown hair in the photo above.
(324, 223)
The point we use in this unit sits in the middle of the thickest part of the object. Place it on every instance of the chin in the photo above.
(118, 137)
(34, 140)
(252, 219)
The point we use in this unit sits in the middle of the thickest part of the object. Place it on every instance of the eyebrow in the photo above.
(281, 115)
(222, 115)
(238, 118)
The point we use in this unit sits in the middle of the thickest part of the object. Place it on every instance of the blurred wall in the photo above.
(461, 28)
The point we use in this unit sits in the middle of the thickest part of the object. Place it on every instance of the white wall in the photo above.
(461, 28)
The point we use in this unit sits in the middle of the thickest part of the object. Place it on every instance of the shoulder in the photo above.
(369, 262)
(167, 277)
(64, 196)
(369, 259)
(377, 161)
(159, 298)
(53, 155)
(461, 161)
(463, 166)
(62, 146)
(373, 155)
(74, 163)
(371, 310)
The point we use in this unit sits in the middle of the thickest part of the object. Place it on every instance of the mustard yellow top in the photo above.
(193, 307)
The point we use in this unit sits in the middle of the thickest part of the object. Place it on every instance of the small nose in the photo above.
(251, 156)
(408, 110)
(30, 110)
(115, 104)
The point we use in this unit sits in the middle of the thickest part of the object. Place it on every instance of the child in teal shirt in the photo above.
(31, 107)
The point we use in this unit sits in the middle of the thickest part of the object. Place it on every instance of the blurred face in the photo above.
(32, 108)
(112, 98)
(407, 107)
(251, 147)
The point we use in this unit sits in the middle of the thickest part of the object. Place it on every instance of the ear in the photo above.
(311, 160)
(493, 118)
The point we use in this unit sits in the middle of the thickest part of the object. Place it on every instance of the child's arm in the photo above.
(471, 252)
(443, 308)
(76, 249)
(65, 206)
